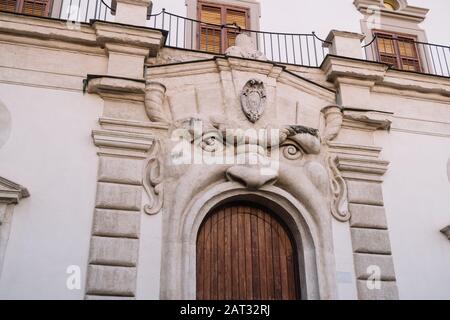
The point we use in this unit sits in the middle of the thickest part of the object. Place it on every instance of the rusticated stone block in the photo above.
(114, 251)
(370, 241)
(120, 170)
(388, 291)
(366, 216)
(116, 223)
(111, 281)
(365, 192)
(364, 263)
(118, 196)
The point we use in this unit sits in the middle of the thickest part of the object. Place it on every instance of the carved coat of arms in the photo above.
(253, 99)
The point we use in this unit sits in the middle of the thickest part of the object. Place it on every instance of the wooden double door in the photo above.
(244, 252)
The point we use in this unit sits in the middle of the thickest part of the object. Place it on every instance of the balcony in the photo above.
(70, 10)
(301, 49)
(402, 53)
(287, 48)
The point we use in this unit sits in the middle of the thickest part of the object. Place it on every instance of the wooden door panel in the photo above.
(245, 253)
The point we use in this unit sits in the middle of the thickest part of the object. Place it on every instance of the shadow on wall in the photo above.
(5, 124)
(448, 169)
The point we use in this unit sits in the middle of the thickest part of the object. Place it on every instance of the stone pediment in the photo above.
(11, 192)
(213, 87)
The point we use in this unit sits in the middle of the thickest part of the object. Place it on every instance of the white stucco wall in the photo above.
(416, 193)
(49, 151)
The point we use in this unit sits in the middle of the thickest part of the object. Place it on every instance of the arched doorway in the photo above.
(245, 252)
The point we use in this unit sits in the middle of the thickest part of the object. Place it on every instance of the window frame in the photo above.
(396, 37)
(20, 4)
(223, 15)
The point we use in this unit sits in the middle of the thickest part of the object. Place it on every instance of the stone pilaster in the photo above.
(113, 256)
(358, 162)
(124, 141)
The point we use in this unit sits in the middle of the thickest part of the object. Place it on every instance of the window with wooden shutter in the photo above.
(236, 18)
(9, 5)
(400, 52)
(31, 7)
(212, 36)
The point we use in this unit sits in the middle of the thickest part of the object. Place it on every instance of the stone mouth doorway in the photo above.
(246, 252)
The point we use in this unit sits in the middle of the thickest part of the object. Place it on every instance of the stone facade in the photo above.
(172, 137)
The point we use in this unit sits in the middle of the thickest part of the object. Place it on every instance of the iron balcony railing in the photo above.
(69, 10)
(409, 55)
(286, 48)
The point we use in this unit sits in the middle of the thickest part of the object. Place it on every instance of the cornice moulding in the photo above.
(335, 67)
(50, 29)
(367, 120)
(103, 84)
(354, 150)
(132, 125)
(96, 34)
(418, 82)
(11, 192)
(123, 140)
(405, 12)
(151, 39)
(353, 164)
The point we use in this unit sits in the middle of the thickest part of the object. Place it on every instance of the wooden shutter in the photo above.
(386, 50)
(210, 30)
(238, 18)
(9, 5)
(245, 253)
(408, 55)
(36, 7)
(213, 38)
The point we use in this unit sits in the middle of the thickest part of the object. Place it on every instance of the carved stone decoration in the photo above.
(245, 48)
(154, 99)
(253, 100)
(333, 119)
(11, 192)
(333, 124)
(250, 176)
(296, 140)
(339, 206)
(153, 180)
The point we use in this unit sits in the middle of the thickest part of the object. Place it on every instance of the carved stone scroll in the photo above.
(339, 207)
(154, 99)
(333, 119)
(153, 180)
